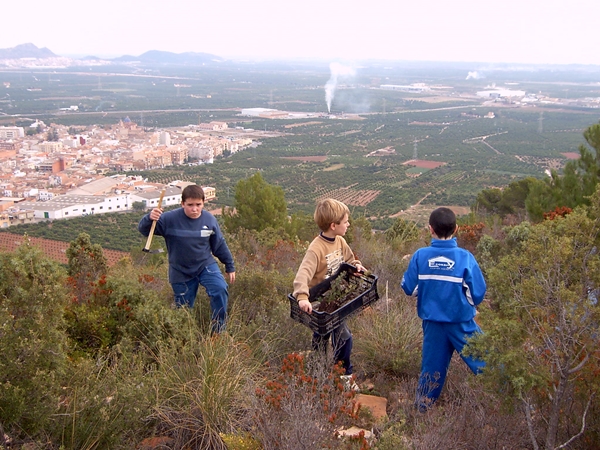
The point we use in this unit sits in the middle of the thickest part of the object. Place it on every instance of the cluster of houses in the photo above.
(117, 193)
(56, 172)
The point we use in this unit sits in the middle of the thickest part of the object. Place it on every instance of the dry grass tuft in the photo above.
(201, 390)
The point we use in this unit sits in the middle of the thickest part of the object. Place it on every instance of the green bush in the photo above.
(105, 402)
(402, 232)
(131, 302)
(90, 327)
(545, 315)
(33, 343)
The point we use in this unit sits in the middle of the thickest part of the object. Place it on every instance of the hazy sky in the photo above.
(517, 31)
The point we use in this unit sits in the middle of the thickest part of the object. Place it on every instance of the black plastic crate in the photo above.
(323, 322)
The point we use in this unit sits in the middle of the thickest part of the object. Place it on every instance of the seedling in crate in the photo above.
(335, 299)
(340, 292)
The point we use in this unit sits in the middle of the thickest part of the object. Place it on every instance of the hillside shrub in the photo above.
(388, 337)
(105, 402)
(33, 342)
(402, 232)
(468, 236)
(545, 315)
(301, 405)
(130, 302)
(201, 387)
(488, 252)
(86, 265)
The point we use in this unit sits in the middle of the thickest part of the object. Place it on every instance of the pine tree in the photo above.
(258, 205)
(575, 185)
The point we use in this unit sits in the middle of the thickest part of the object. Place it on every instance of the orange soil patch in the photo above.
(423, 163)
(571, 155)
(55, 250)
(352, 197)
(307, 158)
(334, 167)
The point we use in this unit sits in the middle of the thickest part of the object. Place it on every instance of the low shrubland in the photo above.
(109, 363)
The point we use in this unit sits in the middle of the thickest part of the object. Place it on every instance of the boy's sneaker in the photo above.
(349, 383)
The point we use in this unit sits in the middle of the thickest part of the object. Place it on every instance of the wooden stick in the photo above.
(149, 240)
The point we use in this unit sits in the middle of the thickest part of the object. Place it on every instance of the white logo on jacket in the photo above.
(441, 262)
(206, 232)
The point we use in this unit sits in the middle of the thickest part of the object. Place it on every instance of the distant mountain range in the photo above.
(153, 56)
(160, 57)
(25, 51)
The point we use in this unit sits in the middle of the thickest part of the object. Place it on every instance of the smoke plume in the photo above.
(338, 71)
(475, 75)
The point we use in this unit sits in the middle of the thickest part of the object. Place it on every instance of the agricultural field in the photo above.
(381, 151)
(450, 168)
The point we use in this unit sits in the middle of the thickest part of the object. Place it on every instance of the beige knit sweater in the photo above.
(322, 259)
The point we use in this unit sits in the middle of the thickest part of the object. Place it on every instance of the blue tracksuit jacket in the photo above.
(447, 281)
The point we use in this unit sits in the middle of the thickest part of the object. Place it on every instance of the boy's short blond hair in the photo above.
(330, 211)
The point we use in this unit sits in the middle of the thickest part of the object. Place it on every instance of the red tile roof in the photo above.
(55, 250)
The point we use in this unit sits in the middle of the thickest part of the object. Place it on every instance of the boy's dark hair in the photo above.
(192, 191)
(443, 222)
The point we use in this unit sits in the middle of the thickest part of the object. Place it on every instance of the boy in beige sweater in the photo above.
(324, 256)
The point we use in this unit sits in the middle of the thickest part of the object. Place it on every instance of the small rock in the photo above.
(377, 405)
(354, 432)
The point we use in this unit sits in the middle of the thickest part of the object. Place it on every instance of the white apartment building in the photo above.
(203, 152)
(44, 196)
(67, 206)
(70, 142)
(150, 197)
(50, 146)
(11, 132)
(164, 138)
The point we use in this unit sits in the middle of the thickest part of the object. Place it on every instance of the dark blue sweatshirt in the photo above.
(191, 243)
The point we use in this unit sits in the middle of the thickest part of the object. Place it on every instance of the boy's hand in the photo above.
(305, 306)
(360, 269)
(155, 213)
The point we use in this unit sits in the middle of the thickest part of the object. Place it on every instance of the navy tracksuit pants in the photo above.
(440, 340)
(341, 341)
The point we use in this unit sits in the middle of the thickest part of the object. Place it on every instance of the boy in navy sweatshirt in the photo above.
(193, 240)
(448, 284)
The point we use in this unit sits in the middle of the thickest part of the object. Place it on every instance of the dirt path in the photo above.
(482, 139)
(406, 212)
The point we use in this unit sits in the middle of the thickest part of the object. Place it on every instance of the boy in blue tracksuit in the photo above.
(448, 284)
